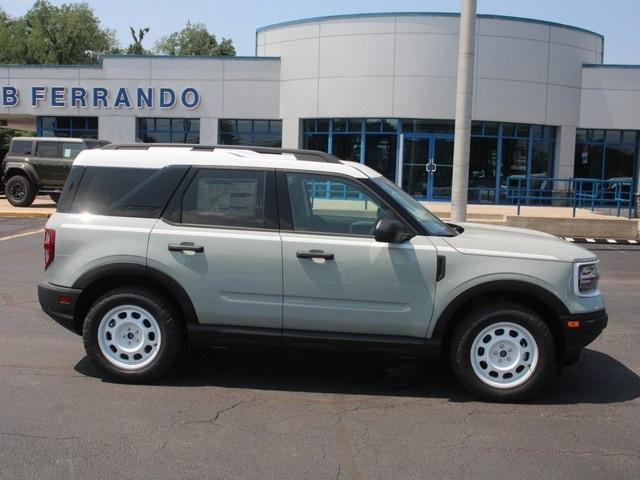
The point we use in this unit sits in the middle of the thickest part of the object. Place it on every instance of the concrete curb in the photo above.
(602, 241)
(19, 214)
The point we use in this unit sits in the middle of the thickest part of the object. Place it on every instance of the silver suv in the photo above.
(156, 247)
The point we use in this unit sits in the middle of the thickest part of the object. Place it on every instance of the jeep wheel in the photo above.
(131, 335)
(20, 191)
(55, 197)
(503, 352)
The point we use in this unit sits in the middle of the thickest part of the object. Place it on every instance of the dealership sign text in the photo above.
(101, 97)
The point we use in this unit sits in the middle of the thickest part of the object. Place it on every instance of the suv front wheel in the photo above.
(503, 352)
(20, 191)
(131, 335)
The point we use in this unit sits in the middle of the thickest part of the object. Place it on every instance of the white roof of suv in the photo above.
(162, 156)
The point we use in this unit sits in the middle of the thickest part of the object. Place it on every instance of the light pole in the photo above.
(464, 98)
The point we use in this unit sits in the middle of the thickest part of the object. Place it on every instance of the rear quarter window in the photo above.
(124, 192)
(71, 150)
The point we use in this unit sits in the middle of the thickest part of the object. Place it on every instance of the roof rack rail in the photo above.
(307, 155)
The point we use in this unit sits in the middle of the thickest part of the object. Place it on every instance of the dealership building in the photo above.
(374, 88)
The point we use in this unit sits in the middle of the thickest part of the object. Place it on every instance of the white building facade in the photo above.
(375, 88)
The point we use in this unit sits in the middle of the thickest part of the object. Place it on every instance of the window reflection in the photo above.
(261, 133)
(606, 154)
(168, 130)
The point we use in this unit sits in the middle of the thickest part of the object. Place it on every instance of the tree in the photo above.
(136, 47)
(194, 39)
(68, 34)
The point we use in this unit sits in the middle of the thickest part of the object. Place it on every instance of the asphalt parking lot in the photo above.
(269, 416)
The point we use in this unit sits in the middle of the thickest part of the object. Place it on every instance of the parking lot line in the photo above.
(23, 234)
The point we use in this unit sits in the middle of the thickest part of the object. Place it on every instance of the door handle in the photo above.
(185, 247)
(315, 254)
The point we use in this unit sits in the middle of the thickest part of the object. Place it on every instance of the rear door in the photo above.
(338, 281)
(51, 168)
(219, 240)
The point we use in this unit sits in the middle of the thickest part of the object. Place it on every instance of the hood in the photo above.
(510, 242)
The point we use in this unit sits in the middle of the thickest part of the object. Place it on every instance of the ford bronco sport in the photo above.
(156, 247)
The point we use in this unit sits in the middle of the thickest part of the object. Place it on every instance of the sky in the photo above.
(617, 20)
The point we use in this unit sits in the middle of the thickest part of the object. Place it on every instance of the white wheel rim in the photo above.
(129, 337)
(504, 355)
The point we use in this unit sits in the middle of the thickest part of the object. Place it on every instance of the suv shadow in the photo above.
(600, 378)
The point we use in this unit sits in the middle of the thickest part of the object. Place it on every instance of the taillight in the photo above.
(49, 246)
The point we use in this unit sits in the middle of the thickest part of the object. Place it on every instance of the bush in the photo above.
(6, 134)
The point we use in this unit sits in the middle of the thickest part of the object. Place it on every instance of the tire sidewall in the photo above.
(466, 334)
(29, 191)
(165, 319)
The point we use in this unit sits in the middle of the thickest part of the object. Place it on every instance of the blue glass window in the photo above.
(69, 127)
(261, 133)
(606, 154)
(168, 130)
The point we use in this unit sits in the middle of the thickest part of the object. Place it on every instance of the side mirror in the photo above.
(389, 230)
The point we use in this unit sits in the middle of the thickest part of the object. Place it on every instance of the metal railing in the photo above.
(615, 193)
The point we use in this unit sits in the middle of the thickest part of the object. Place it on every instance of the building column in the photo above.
(291, 133)
(209, 131)
(565, 152)
(117, 128)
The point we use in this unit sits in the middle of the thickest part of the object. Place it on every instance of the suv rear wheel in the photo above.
(131, 335)
(503, 352)
(20, 191)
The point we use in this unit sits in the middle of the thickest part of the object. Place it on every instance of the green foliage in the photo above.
(68, 34)
(194, 39)
(136, 47)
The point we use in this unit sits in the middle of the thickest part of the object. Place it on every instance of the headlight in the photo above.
(587, 276)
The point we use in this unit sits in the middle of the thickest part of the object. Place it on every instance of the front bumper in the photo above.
(60, 304)
(591, 325)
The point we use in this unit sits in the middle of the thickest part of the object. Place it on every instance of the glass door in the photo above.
(441, 169)
(427, 164)
(415, 165)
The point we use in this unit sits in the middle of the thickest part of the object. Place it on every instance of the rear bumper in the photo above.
(590, 327)
(60, 304)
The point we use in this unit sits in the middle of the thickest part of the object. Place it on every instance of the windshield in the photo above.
(429, 221)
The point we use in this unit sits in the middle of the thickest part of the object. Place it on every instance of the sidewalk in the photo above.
(42, 207)
(554, 220)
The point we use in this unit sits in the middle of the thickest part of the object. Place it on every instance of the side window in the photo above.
(21, 147)
(333, 205)
(48, 149)
(226, 198)
(71, 150)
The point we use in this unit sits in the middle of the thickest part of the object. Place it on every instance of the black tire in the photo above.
(20, 191)
(168, 322)
(55, 197)
(474, 324)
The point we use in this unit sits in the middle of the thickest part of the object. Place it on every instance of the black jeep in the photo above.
(40, 165)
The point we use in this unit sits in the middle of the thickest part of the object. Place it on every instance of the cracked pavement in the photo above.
(266, 415)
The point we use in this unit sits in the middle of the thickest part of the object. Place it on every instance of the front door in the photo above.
(337, 279)
(427, 164)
